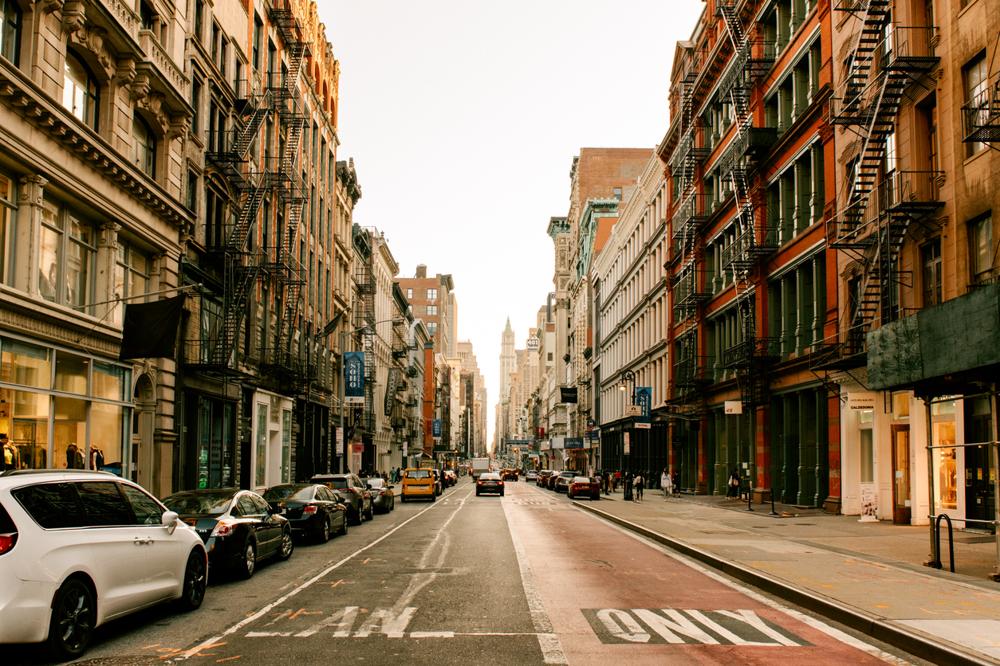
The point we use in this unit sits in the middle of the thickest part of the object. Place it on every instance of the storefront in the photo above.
(271, 455)
(62, 409)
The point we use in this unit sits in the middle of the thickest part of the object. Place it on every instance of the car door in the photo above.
(114, 548)
(165, 551)
(254, 519)
(270, 524)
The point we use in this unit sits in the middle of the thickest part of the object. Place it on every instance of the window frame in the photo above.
(87, 91)
(979, 273)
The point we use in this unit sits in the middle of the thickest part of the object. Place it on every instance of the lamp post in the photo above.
(627, 380)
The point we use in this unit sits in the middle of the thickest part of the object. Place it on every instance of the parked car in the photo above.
(354, 490)
(80, 548)
(450, 478)
(489, 482)
(418, 482)
(543, 477)
(531, 475)
(561, 483)
(550, 482)
(438, 484)
(584, 486)
(239, 527)
(509, 474)
(312, 509)
(383, 499)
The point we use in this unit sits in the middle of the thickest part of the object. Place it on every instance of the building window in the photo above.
(432, 310)
(409, 293)
(7, 212)
(66, 257)
(199, 19)
(196, 86)
(974, 80)
(930, 260)
(215, 217)
(432, 294)
(131, 277)
(981, 251)
(258, 32)
(191, 196)
(10, 30)
(432, 327)
(143, 146)
(867, 457)
(80, 91)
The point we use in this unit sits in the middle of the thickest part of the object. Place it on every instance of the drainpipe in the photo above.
(995, 450)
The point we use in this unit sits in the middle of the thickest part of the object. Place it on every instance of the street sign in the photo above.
(574, 443)
(339, 439)
(643, 425)
(633, 410)
(644, 398)
(567, 394)
(733, 407)
(354, 378)
(627, 445)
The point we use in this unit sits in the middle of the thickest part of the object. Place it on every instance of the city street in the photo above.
(526, 578)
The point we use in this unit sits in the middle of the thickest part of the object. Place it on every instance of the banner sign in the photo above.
(567, 394)
(436, 428)
(149, 330)
(391, 388)
(574, 443)
(339, 440)
(354, 378)
(627, 445)
(644, 398)
(594, 435)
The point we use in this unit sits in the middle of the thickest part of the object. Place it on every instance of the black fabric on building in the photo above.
(150, 329)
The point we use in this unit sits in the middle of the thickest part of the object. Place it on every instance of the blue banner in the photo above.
(354, 378)
(574, 443)
(644, 398)
(436, 428)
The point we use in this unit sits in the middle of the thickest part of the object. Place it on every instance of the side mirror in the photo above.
(169, 520)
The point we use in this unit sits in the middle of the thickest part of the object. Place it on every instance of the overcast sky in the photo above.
(463, 117)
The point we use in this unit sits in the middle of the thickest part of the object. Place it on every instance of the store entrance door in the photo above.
(901, 513)
(979, 493)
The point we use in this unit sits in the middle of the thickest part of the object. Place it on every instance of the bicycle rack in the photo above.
(936, 562)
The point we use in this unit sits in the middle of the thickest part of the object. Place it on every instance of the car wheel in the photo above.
(287, 545)
(434, 498)
(477, 493)
(195, 581)
(569, 495)
(501, 493)
(324, 532)
(71, 626)
(402, 498)
(248, 563)
(371, 512)
(354, 516)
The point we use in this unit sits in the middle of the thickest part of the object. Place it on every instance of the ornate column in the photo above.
(106, 287)
(27, 241)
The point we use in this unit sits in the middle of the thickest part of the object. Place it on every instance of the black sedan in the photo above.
(489, 482)
(383, 499)
(238, 527)
(311, 509)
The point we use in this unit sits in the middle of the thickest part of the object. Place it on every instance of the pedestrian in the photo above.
(665, 483)
(637, 487)
(734, 484)
(676, 485)
(627, 486)
(615, 480)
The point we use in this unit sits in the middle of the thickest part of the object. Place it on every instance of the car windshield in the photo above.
(567, 475)
(418, 474)
(278, 493)
(376, 483)
(490, 476)
(581, 479)
(337, 482)
(200, 503)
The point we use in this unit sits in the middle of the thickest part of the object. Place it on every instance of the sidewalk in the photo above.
(866, 575)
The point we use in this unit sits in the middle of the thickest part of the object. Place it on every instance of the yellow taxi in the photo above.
(418, 482)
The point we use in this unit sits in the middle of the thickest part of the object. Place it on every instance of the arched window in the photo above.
(143, 146)
(80, 92)
(10, 30)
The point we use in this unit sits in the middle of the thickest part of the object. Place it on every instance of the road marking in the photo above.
(657, 626)
(432, 634)
(210, 642)
(548, 641)
(815, 623)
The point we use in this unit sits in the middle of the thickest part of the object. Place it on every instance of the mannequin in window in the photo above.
(8, 453)
(96, 458)
(74, 457)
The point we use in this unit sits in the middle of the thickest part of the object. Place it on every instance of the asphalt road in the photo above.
(523, 579)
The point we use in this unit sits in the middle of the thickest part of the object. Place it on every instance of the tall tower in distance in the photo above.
(508, 361)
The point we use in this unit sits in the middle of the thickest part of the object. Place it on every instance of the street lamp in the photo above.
(627, 379)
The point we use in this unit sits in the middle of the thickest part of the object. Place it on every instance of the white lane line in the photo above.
(282, 599)
(813, 622)
(548, 641)
(432, 634)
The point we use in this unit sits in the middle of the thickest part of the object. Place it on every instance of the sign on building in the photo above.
(733, 407)
(354, 378)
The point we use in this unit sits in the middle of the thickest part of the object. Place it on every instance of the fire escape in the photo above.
(756, 237)
(982, 111)
(881, 202)
(230, 152)
(364, 321)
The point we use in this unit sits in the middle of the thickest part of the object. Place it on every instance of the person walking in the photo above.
(637, 483)
(627, 486)
(734, 484)
(665, 483)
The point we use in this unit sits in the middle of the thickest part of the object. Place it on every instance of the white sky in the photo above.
(463, 117)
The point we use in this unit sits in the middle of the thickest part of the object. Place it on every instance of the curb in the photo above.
(917, 644)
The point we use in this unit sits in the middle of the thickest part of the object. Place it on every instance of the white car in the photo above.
(79, 548)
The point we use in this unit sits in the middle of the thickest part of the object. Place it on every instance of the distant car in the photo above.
(239, 527)
(561, 484)
(383, 499)
(311, 509)
(550, 482)
(489, 482)
(450, 477)
(438, 483)
(509, 474)
(353, 489)
(531, 475)
(418, 482)
(80, 548)
(543, 477)
(584, 486)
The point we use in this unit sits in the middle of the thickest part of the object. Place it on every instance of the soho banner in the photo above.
(644, 398)
(354, 378)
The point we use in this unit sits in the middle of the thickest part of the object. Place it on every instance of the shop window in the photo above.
(24, 416)
(107, 423)
(10, 30)
(110, 382)
(71, 373)
(81, 93)
(67, 252)
(945, 456)
(25, 364)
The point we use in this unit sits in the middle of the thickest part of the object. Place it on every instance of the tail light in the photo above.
(501, 483)
(309, 509)
(7, 542)
(224, 528)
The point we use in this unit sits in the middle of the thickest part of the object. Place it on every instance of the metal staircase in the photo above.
(364, 319)
(881, 202)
